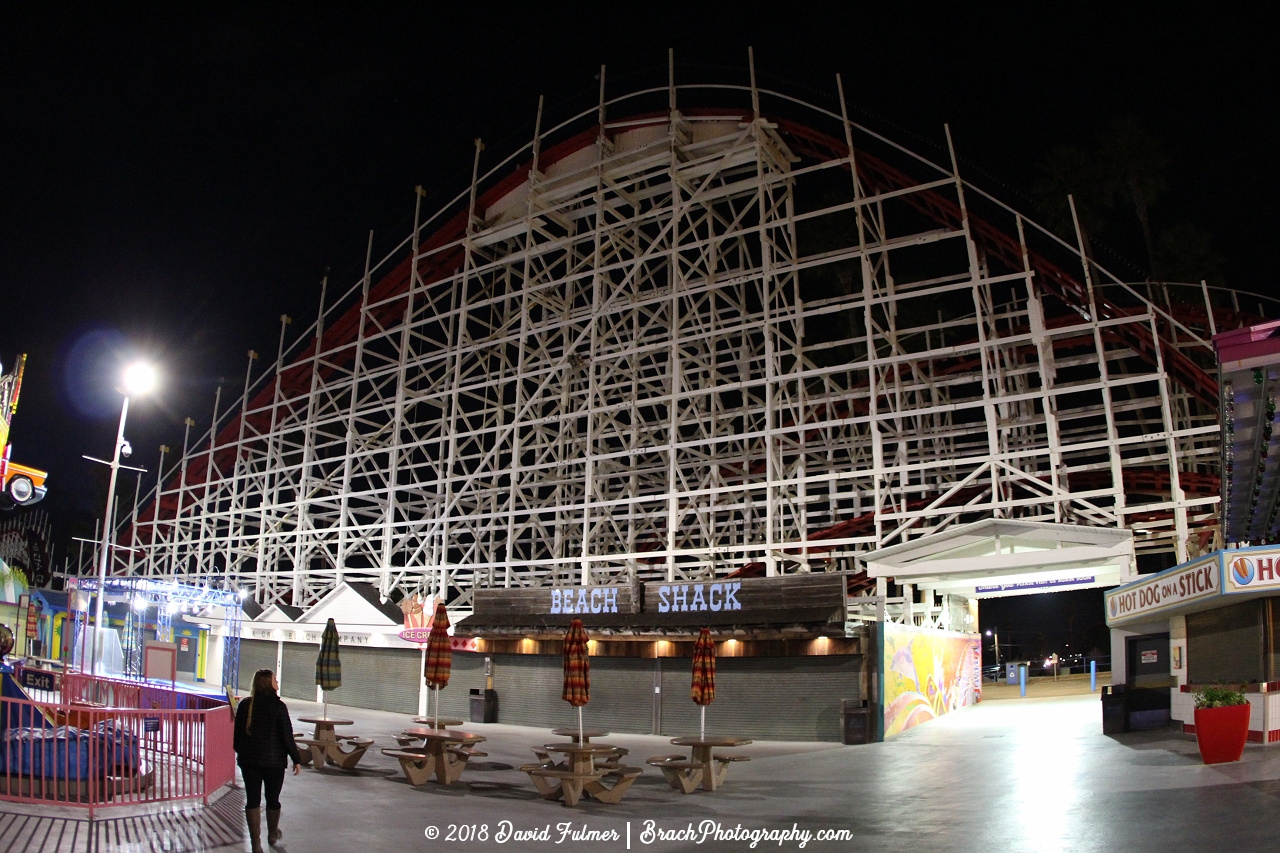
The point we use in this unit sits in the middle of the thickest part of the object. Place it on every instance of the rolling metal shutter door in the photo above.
(529, 688)
(1225, 645)
(466, 671)
(621, 695)
(255, 655)
(381, 679)
(794, 698)
(298, 671)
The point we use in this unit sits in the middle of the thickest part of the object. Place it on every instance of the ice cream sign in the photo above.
(418, 612)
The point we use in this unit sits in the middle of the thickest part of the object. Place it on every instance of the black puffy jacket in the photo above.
(268, 740)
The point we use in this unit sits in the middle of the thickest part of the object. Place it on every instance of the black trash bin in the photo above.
(855, 721)
(484, 705)
(1114, 709)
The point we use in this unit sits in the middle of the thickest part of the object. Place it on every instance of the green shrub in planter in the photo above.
(1222, 724)
(1219, 697)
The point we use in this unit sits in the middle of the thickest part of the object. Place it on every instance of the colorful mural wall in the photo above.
(928, 673)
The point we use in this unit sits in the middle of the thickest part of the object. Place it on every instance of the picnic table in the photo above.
(443, 754)
(325, 746)
(442, 723)
(703, 767)
(572, 732)
(406, 739)
(579, 775)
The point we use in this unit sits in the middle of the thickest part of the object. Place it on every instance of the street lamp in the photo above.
(138, 379)
(995, 633)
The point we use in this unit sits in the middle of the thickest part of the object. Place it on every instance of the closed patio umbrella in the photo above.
(703, 689)
(328, 667)
(577, 670)
(439, 654)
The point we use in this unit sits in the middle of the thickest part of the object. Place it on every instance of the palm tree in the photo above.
(1133, 164)
(1067, 170)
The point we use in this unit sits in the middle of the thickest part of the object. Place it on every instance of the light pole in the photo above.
(995, 634)
(139, 378)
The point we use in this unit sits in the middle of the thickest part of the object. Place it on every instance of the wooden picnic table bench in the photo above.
(686, 773)
(443, 754)
(325, 746)
(579, 775)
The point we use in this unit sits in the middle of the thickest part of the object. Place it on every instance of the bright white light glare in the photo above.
(139, 378)
(139, 603)
(172, 608)
(244, 593)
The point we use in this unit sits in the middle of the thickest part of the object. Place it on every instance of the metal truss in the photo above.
(710, 337)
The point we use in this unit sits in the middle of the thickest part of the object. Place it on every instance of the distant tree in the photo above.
(1067, 170)
(1132, 166)
(1185, 253)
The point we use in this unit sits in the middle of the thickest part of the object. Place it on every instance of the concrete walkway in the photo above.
(1031, 775)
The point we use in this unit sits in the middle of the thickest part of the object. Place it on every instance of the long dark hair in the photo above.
(261, 687)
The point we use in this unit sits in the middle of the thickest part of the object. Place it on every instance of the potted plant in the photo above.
(1222, 724)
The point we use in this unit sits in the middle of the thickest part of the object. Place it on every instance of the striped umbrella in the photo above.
(577, 670)
(328, 667)
(703, 689)
(439, 655)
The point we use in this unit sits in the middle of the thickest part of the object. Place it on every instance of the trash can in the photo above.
(484, 705)
(1114, 709)
(855, 721)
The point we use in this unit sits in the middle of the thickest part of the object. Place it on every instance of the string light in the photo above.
(1229, 432)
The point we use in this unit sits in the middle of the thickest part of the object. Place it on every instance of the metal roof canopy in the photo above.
(998, 557)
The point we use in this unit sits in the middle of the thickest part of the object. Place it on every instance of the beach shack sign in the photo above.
(696, 597)
(797, 597)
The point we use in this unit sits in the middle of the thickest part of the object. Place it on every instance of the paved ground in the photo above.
(1030, 775)
(1042, 687)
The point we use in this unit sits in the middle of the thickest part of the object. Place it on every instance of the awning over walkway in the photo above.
(996, 557)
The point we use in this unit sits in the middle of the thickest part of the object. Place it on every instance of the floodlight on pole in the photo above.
(138, 378)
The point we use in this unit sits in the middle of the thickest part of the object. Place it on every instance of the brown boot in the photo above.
(273, 827)
(253, 817)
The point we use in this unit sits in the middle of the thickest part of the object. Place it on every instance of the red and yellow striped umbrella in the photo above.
(439, 654)
(703, 689)
(577, 669)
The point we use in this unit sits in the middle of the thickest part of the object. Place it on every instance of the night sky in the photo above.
(172, 179)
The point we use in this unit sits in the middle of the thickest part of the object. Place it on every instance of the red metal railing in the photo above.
(82, 688)
(94, 757)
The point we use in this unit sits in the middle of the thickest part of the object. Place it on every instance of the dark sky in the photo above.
(173, 177)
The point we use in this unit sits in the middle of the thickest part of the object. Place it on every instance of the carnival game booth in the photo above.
(1214, 620)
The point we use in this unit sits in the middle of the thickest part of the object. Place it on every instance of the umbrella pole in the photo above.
(437, 725)
(325, 695)
(580, 724)
(702, 732)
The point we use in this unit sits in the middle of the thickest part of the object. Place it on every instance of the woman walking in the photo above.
(264, 744)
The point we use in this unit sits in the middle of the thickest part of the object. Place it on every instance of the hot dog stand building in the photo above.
(1215, 619)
